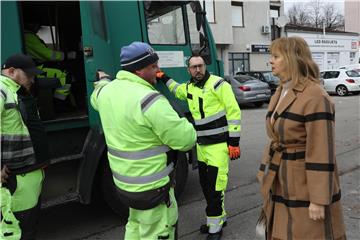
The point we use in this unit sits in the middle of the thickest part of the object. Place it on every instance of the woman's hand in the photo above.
(316, 212)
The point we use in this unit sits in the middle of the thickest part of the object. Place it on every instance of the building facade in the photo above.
(330, 49)
(352, 18)
(243, 31)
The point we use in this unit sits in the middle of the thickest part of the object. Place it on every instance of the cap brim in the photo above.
(33, 70)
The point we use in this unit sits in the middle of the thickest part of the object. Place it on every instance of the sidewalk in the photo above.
(243, 207)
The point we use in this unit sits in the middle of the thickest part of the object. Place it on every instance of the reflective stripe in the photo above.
(135, 61)
(10, 105)
(59, 96)
(212, 131)
(168, 83)
(4, 94)
(218, 83)
(234, 122)
(139, 154)
(145, 179)
(66, 87)
(148, 100)
(215, 224)
(210, 119)
(234, 134)
(19, 153)
(15, 138)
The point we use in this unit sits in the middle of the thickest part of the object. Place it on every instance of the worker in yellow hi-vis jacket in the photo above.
(217, 116)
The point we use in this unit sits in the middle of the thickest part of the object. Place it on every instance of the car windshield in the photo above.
(352, 73)
(244, 78)
(270, 77)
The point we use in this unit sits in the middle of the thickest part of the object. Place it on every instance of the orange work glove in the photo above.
(160, 75)
(234, 152)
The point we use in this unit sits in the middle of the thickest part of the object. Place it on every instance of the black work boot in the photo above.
(204, 229)
(214, 236)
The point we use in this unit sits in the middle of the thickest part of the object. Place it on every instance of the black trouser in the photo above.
(214, 199)
(28, 220)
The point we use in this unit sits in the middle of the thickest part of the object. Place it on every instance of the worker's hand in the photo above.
(4, 174)
(161, 76)
(234, 152)
(71, 55)
(101, 75)
(316, 212)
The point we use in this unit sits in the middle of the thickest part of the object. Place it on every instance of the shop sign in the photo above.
(260, 48)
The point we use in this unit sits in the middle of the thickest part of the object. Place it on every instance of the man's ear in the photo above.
(11, 71)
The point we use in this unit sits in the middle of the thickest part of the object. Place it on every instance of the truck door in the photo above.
(10, 24)
(96, 45)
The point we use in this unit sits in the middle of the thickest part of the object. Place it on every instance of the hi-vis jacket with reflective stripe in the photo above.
(139, 126)
(216, 113)
(36, 48)
(16, 147)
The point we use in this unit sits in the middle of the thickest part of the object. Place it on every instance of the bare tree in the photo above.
(315, 14)
(331, 17)
(297, 15)
(314, 9)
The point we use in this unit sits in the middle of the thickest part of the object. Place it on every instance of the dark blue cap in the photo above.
(136, 56)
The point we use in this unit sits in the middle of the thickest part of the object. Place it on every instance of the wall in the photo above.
(231, 39)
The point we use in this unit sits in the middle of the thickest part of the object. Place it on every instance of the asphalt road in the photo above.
(96, 221)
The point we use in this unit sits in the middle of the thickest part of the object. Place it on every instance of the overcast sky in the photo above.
(338, 3)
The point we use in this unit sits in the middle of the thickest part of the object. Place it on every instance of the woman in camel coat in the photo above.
(298, 175)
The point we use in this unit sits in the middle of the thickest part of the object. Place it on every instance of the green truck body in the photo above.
(97, 30)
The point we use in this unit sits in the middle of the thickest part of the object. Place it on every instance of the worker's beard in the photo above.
(200, 77)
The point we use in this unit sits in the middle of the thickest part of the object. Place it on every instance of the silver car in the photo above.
(248, 89)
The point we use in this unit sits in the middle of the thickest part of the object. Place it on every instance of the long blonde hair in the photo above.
(299, 63)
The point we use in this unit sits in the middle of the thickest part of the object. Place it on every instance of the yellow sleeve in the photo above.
(179, 90)
(95, 94)
(233, 114)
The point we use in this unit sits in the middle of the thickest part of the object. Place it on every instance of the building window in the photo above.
(210, 10)
(274, 14)
(237, 14)
(239, 62)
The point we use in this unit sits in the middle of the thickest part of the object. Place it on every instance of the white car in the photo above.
(341, 81)
(355, 67)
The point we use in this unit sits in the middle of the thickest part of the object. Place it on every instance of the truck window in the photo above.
(166, 28)
(98, 19)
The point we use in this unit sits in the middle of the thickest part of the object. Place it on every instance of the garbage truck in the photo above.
(96, 31)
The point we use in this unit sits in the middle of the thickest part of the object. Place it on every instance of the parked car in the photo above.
(248, 89)
(267, 77)
(355, 67)
(341, 81)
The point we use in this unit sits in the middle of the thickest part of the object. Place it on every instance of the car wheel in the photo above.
(341, 90)
(258, 104)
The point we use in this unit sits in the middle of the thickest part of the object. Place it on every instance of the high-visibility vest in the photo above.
(216, 113)
(60, 92)
(38, 50)
(16, 147)
(140, 126)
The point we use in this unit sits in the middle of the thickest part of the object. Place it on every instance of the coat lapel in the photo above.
(273, 101)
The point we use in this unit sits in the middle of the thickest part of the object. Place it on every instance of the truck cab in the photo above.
(96, 31)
